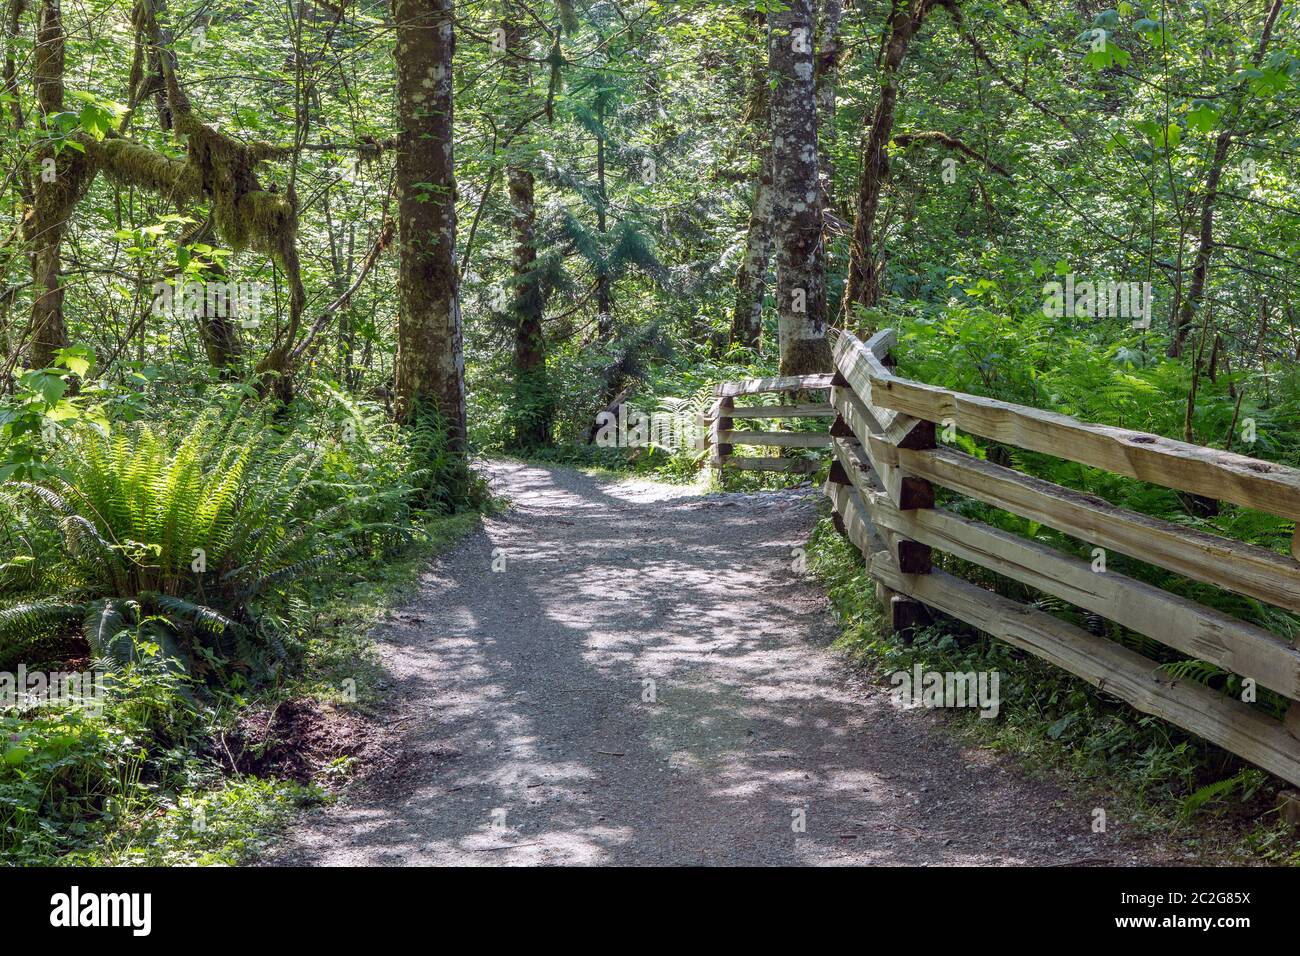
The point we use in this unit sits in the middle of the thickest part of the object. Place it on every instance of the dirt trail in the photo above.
(521, 736)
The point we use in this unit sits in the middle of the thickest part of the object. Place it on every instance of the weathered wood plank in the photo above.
(856, 465)
(789, 383)
(867, 475)
(1239, 567)
(910, 556)
(906, 491)
(902, 615)
(848, 506)
(857, 365)
(810, 410)
(801, 466)
(777, 439)
(721, 422)
(855, 414)
(1244, 481)
(882, 343)
(1118, 671)
(1176, 621)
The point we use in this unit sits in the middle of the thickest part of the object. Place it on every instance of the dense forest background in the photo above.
(272, 273)
(613, 177)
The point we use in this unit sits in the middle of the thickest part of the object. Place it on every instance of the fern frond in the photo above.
(104, 625)
(297, 570)
(36, 618)
(204, 617)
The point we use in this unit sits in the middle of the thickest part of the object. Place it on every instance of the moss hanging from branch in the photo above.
(245, 214)
(218, 169)
(127, 163)
(568, 15)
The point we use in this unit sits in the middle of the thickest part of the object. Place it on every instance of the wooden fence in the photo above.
(886, 463)
(722, 436)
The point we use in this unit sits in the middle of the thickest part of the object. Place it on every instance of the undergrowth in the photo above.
(1151, 775)
(679, 388)
(1165, 778)
(202, 560)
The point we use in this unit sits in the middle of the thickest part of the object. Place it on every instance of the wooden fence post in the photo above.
(884, 440)
(837, 474)
(902, 615)
(915, 493)
(721, 451)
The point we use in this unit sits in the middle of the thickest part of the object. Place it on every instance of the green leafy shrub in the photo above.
(59, 772)
(181, 539)
(443, 484)
(73, 776)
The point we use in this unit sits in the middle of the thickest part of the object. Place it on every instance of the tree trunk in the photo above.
(218, 332)
(751, 277)
(220, 335)
(863, 286)
(827, 81)
(59, 182)
(1186, 316)
(430, 364)
(1201, 265)
(604, 288)
(800, 267)
(13, 29)
(533, 410)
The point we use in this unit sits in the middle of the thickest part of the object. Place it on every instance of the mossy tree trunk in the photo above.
(59, 181)
(827, 78)
(800, 264)
(1193, 301)
(218, 328)
(430, 364)
(533, 409)
(604, 283)
(751, 276)
(14, 106)
(865, 262)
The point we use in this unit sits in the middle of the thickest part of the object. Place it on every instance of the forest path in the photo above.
(520, 734)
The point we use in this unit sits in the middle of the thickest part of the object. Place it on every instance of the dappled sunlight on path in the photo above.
(646, 681)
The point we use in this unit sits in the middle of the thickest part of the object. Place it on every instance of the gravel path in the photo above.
(521, 732)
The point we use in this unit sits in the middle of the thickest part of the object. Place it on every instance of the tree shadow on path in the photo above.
(632, 673)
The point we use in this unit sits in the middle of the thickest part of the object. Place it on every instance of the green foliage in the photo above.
(59, 770)
(1247, 783)
(1107, 122)
(184, 536)
(442, 483)
(227, 825)
(72, 774)
(31, 418)
(1032, 360)
(292, 513)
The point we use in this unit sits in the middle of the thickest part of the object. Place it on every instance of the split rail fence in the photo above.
(886, 463)
(723, 436)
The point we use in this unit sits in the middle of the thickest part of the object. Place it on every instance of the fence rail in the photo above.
(886, 462)
(722, 436)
